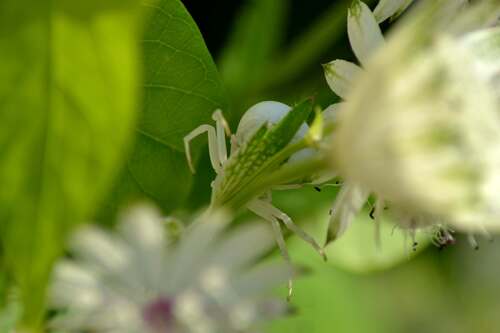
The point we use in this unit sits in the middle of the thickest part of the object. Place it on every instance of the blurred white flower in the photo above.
(365, 37)
(390, 9)
(421, 125)
(137, 281)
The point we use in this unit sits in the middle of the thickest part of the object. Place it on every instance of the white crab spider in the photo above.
(265, 112)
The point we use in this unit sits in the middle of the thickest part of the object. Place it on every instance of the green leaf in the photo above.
(182, 88)
(67, 98)
(255, 37)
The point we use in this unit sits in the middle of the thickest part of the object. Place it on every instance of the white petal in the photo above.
(189, 310)
(251, 241)
(194, 249)
(330, 114)
(100, 250)
(75, 286)
(339, 75)
(242, 316)
(143, 231)
(142, 228)
(485, 45)
(215, 281)
(390, 8)
(261, 278)
(348, 203)
(364, 33)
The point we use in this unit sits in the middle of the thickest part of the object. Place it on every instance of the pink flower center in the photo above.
(158, 315)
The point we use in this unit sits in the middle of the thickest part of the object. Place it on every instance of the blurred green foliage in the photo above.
(68, 95)
(253, 43)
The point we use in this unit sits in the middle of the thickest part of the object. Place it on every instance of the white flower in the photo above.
(136, 281)
(421, 127)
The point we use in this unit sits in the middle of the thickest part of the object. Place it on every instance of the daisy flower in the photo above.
(138, 281)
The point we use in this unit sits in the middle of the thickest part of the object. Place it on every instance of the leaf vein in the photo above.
(158, 140)
(184, 91)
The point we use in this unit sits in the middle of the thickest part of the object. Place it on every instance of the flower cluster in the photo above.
(420, 125)
(366, 38)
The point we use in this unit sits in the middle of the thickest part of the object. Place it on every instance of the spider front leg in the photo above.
(216, 142)
(222, 129)
(255, 207)
(269, 210)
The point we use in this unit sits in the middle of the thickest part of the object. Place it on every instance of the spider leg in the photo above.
(222, 129)
(275, 212)
(472, 241)
(234, 143)
(278, 235)
(212, 146)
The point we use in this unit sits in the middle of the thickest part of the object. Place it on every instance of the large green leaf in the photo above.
(67, 98)
(181, 90)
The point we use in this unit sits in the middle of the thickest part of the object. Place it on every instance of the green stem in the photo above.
(285, 175)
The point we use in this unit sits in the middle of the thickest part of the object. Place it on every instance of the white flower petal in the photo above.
(142, 228)
(193, 252)
(348, 203)
(390, 8)
(253, 240)
(330, 114)
(189, 308)
(364, 33)
(243, 316)
(485, 45)
(261, 278)
(75, 285)
(339, 75)
(99, 250)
